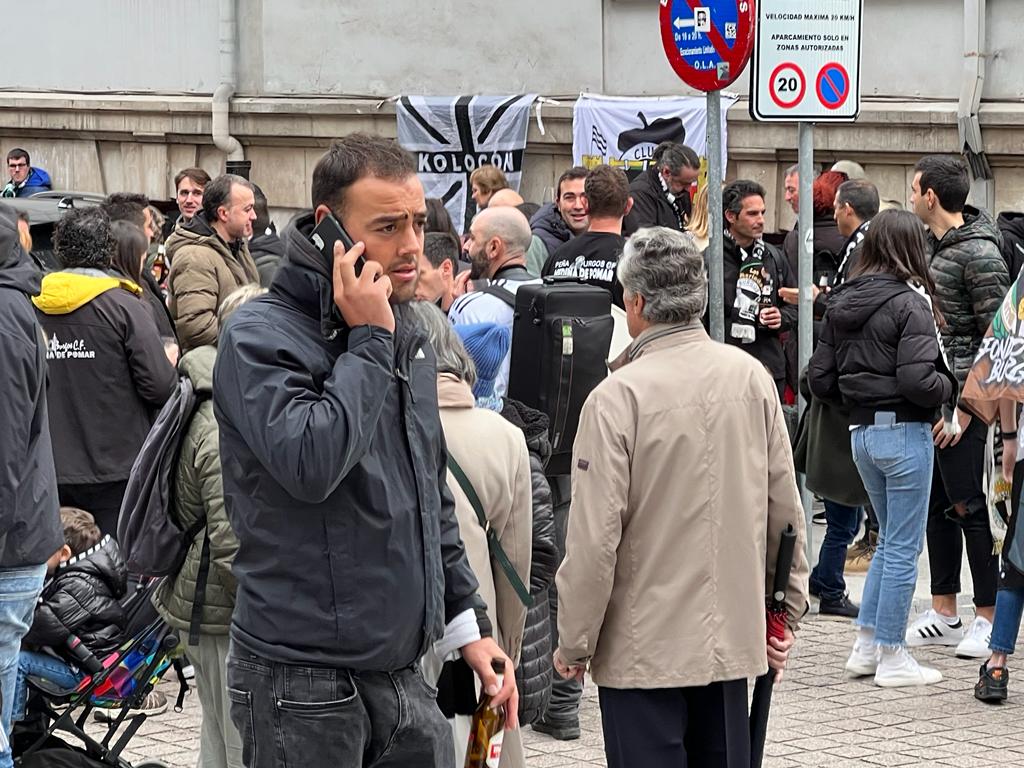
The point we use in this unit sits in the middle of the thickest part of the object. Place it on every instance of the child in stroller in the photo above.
(80, 620)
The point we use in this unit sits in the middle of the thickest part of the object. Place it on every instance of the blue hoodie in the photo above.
(38, 181)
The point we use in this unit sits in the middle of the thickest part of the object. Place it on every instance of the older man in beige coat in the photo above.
(682, 485)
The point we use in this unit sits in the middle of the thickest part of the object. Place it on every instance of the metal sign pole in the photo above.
(716, 278)
(805, 280)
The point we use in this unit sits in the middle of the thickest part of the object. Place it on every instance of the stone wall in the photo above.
(111, 143)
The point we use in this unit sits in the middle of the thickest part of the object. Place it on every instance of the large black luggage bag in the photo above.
(560, 339)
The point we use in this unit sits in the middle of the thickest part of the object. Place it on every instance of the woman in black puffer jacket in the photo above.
(533, 675)
(879, 355)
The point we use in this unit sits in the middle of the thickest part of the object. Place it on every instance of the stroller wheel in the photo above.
(152, 764)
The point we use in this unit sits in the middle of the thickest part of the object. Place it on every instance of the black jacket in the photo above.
(83, 599)
(879, 352)
(550, 227)
(109, 373)
(334, 469)
(766, 347)
(1011, 227)
(30, 529)
(154, 298)
(650, 206)
(266, 250)
(828, 249)
(533, 675)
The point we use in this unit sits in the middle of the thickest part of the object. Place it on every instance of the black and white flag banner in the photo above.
(452, 136)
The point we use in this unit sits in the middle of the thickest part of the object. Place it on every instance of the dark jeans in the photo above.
(101, 500)
(842, 523)
(958, 480)
(311, 716)
(564, 705)
(677, 727)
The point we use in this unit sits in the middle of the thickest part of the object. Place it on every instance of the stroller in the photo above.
(119, 682)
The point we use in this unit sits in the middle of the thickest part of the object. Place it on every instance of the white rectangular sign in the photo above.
(806, 63)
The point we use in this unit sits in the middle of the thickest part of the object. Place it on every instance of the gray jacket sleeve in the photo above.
(308, 436)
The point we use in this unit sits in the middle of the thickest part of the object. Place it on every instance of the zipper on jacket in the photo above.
(404, 378)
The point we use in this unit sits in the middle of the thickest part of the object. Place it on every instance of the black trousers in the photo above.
(677, 727)
(957, 479)
(564, 704)
(101, 500)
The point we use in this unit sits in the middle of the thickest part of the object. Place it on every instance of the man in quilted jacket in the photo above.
(971, 279)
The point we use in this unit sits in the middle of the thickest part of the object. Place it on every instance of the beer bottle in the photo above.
(488, 728)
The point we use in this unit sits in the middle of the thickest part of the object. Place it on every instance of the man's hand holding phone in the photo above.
(362, 299)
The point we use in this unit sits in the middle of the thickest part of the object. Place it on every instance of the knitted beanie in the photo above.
(487, 344)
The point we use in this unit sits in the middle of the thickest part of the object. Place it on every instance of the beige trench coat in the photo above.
(682, 484)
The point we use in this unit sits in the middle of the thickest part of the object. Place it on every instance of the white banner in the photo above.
(623, 132)
(452, 136)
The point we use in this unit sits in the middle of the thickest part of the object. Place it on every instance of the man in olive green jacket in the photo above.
(210, 258)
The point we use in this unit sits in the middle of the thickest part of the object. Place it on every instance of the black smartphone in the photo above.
(327, 233)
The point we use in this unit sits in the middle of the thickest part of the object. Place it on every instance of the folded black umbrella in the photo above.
(761, 703)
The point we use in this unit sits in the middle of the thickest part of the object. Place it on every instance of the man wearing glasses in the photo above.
(25, 180)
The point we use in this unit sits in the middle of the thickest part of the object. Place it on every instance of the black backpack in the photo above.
(151, 540)
(561, 335)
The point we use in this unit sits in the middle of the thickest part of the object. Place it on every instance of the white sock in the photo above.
(865, 636)
(950, 620)
(890, 650)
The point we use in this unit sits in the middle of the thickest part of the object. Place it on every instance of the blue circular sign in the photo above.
(708, 42)
(833, 85)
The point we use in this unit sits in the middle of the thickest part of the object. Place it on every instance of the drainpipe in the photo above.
(222, 138)
(972, 145)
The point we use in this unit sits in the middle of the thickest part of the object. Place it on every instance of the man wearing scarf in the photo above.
(754, 271)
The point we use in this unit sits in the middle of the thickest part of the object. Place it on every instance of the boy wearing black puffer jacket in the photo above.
(80, 601)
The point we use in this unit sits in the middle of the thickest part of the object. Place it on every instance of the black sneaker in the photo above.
(818, 518)
(992, 684)
(841, 607)
(558, 731)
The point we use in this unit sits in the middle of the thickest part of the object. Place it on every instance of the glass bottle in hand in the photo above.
(488, 728)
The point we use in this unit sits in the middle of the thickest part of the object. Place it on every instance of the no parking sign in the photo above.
(806, 60)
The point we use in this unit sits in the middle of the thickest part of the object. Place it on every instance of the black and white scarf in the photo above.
(852, 244)
(753, 285)
(673, 201)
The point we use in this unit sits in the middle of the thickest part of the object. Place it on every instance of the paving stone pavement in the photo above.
(818, 718)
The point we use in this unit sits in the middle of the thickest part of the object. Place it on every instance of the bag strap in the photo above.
(202, 576)
(492, 538)
(500, 292)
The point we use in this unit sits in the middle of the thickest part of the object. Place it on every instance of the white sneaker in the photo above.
(975, 643)
(899, 669)
(931, 628)
(863, 660)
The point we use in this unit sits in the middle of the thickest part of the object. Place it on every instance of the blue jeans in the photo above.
(895, 462)
(19, 590)
(841, 523)
(1009, 607)
(32, 664)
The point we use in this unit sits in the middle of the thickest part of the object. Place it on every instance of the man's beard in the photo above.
(477, 267)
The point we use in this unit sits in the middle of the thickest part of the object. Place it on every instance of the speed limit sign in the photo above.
(806, 62)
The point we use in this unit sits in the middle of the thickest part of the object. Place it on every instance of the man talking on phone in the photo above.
(349, 562)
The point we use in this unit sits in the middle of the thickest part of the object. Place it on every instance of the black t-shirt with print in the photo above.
(592, 256)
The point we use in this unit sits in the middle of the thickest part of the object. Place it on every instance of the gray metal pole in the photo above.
(804, 279)
(716, 279)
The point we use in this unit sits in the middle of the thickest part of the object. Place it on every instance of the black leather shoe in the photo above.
(992, 684)
(841, 607)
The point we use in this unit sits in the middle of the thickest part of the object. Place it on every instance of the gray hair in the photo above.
(665, 267)
(237, 298)
(508, 225)
(675, 157)
(452, 356)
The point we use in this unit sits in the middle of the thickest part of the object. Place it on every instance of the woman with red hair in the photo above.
(828, 242)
